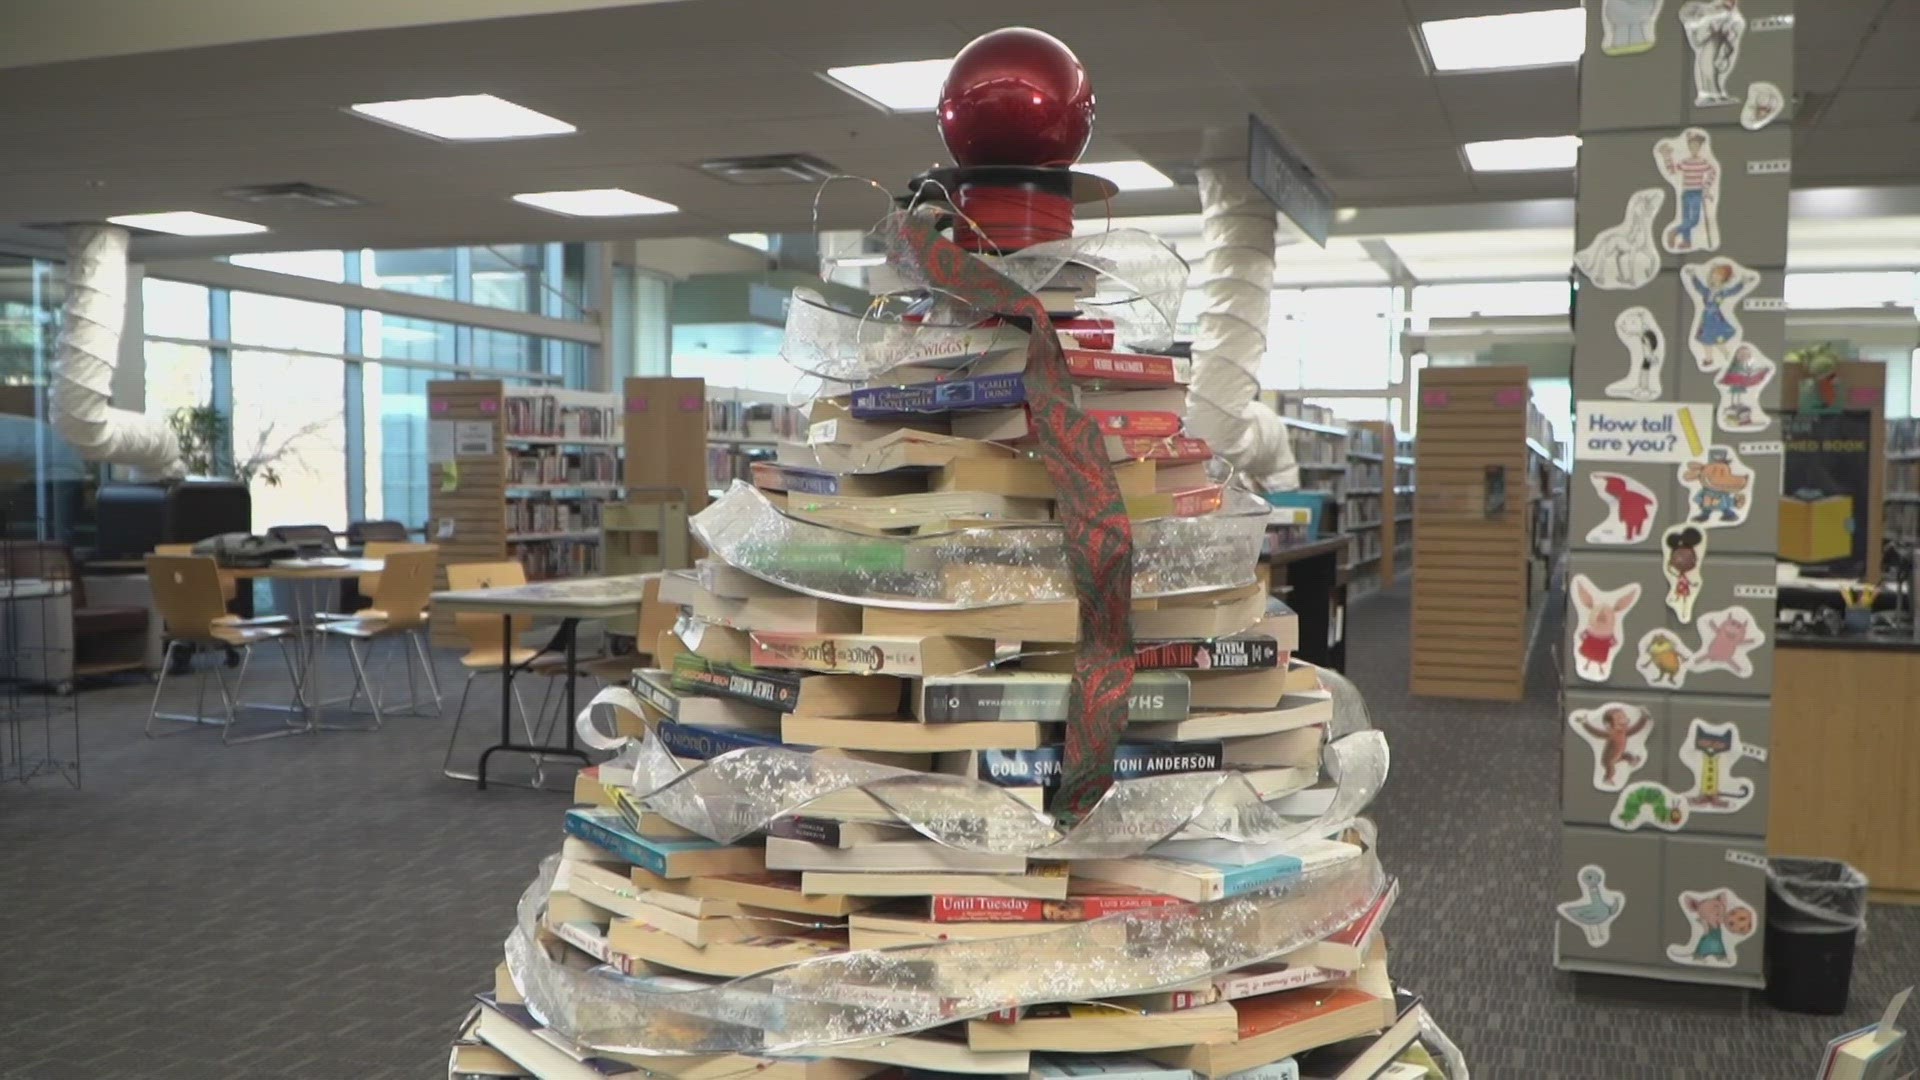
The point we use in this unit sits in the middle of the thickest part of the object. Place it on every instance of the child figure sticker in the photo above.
(1649, 804)
(1686, 546)
(1618, 734)
(1718, 488)
(1720, 921)
(1716, 287)
(1631, 505)
(1629, 26)
(1596, 908)
(1727, 640)
(1712, 752)
(1741, 384)
(1646, 346)
(1714, 29)
(1662, 659)
(1624, 256)
(1687, 162)
(1764, 105)
(1597, 631)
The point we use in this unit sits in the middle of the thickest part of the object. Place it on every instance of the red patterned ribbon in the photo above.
(1099, 536)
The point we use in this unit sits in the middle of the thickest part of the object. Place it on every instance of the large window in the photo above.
(336, 396)
(289, 409)
(280, 323)
(1330, 339)
(425, 272)
(178, 377)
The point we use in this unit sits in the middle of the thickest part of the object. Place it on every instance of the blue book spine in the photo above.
(604, 829)
(981, 392)
(810, 483)
(704, 744)
(605, 833)
(1244, 879)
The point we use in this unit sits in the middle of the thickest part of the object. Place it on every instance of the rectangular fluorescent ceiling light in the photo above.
(464, 118)
(595, 202)
(1524, 155)
(758, 241)
(1129, 175)
(1492, 42)
(188, 223)
(906, 86)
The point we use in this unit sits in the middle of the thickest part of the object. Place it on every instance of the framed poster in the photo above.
(1833, 475)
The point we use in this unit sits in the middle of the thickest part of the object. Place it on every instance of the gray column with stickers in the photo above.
(1680, 332)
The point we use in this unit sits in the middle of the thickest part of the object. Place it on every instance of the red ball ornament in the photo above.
(1016, 97)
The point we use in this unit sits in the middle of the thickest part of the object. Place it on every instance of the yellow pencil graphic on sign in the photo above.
(1693, 432)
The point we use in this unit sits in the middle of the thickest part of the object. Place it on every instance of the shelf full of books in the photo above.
(1404, 481)
(1902, 518)
(1379, 508)
(744, 427)
(521, 473)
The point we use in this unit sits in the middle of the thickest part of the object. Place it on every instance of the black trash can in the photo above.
(1815, 911)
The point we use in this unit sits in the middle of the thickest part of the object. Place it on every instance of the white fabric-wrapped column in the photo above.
(91, 321)
(1223, 405)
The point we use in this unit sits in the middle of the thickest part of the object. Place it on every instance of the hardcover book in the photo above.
(1173, 450)
(1196, 880)
(981, 392)
(788, 692)
(1075, 907)
(1040, 696)
(667, 858)
(1135, 369)
(1042, 767)
(869, 655)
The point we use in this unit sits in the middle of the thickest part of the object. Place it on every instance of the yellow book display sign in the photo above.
(1816, 530)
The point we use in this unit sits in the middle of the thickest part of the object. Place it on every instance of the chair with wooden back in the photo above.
(399, 610)
(369, 584)
(229, 585)
(492, 646)
(188, 593)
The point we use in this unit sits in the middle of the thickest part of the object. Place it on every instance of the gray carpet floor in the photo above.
(323, 906)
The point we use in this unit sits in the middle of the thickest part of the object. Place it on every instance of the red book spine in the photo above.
(1136, 422)
(985, 909)
(1087, 333)
(1199, 501)
(1096, 907)
(1174, 451)
(1120, 367)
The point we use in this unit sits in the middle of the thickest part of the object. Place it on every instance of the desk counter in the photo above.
(1846, 756)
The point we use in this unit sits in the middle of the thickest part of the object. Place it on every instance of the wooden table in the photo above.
(1311, 579)
(1845, 757)
(305, 624)
(571, 602)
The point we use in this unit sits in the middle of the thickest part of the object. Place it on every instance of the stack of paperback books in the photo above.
(978, 745)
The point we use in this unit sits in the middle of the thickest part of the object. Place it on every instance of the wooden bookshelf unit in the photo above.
(521, 473)
(1473, 519)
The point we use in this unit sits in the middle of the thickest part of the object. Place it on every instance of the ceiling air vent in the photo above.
(771, 169)
(295, 192)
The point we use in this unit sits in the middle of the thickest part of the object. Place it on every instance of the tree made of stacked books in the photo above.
(978, 746)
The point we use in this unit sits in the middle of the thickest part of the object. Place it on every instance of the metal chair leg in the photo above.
(166, 665)
(360, 672)
(459, 717)
(230, 701)
(300, 718)
(426, 665)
